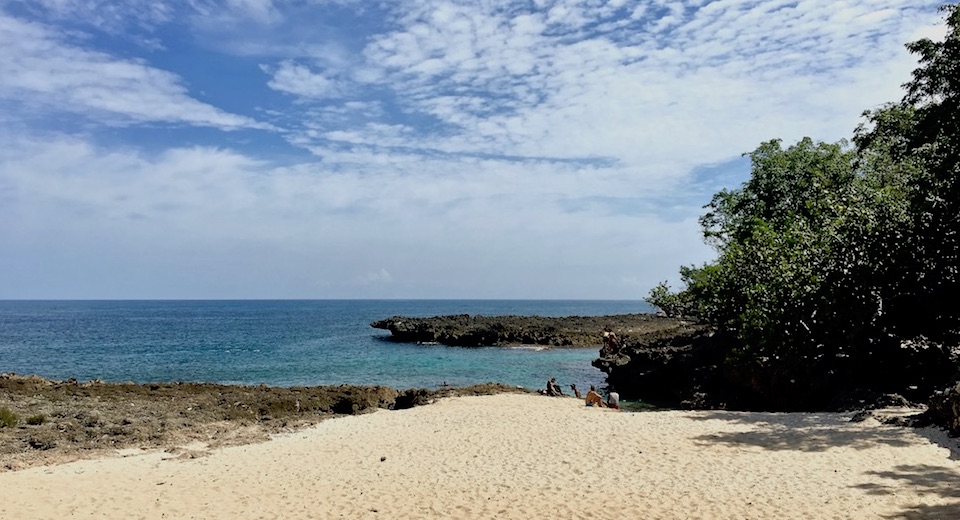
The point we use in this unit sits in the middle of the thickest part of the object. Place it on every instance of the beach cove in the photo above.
(520, 456)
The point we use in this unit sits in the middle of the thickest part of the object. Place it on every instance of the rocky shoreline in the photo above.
(464, 330)
(44, 421)
(670, 362)
(678, 363)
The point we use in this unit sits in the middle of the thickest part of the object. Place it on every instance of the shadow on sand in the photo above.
(926, 480)
(813, 432)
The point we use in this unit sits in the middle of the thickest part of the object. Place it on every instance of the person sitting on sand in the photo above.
(593, 398)
(576, 391)
(553, 388)
(613, 399)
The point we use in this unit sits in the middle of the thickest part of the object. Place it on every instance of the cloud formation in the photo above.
(299, 80)
(43, 71)
(427, 148)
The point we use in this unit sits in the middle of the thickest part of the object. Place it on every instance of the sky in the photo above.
(544, 149)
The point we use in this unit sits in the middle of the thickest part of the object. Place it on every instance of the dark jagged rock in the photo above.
(915, 420)
(675, 368)
(411, 398)
(464, 330)
(696, 367)
(945, 408)
(350, 400)
(676, 363)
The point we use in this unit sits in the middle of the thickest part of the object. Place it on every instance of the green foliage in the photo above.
(827, 248)
(785, 185)
(8, 419)
(673, 304)
(783, 249)
(914, 145)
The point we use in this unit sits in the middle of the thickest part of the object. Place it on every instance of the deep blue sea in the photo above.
(279, 343)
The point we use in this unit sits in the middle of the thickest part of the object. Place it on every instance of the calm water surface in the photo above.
(282, 343)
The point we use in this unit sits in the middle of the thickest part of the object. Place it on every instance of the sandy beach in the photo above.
(520, 456)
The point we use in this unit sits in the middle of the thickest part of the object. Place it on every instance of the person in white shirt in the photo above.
(613, 399)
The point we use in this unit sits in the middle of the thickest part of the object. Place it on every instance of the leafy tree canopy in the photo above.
(829, 248)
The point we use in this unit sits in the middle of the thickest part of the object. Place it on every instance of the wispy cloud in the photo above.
(42, 70)
(572, 79)
(426, 148)
(217, 210)
(111, 16)
(293, 78)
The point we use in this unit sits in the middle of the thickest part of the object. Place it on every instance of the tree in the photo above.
(829, 257)
(915, 145)
(780, 245)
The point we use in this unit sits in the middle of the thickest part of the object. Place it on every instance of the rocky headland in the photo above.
(680, 363)
(464, 330)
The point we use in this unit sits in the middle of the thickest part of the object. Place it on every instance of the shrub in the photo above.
(7, 417)
(673, 304)
(36, 420)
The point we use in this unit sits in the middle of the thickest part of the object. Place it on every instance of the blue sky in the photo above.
(406, 149)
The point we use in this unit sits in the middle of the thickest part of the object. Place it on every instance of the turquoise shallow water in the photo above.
(282, 343)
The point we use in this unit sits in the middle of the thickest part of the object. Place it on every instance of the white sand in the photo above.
(525, 457)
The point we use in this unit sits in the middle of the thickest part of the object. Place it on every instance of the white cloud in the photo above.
(305, 29)
(43, 71)
(442, 228)
(461, 149)
(700, 85)
(112, 16)
(299, 80)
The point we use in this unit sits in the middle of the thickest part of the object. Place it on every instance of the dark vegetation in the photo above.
(837, 270)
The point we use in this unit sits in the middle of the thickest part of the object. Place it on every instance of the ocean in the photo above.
(280, 342)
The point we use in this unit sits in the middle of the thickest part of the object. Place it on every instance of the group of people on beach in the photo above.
(593, 398)
(611, 345)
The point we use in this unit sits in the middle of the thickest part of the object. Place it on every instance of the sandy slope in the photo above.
(521, 456)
